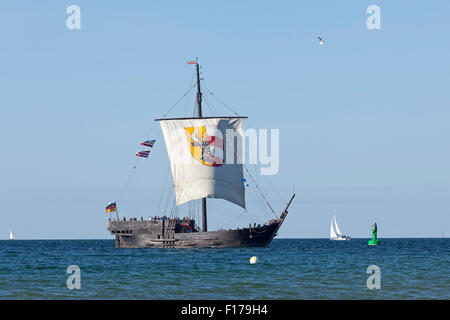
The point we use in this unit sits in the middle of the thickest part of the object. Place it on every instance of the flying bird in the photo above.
(320, 40)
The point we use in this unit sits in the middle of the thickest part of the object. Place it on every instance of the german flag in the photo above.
(111, 207)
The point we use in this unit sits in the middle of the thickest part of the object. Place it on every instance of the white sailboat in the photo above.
(11, 235)
(335, 232)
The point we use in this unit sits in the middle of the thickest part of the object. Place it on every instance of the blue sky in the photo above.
(364, 119)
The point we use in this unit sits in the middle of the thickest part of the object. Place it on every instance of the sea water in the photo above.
(287, 269)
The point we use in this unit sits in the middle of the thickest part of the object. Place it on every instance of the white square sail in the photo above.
(199, 163)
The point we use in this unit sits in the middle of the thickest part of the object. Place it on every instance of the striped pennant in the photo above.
(143, 154)
(148, 143)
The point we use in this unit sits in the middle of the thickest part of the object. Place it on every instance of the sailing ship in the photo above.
(11, 235)
(196, 152)
(335, 232)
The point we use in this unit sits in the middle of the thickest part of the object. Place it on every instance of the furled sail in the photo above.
(200, 167)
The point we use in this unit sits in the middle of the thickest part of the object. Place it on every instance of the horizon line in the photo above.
(112, 239)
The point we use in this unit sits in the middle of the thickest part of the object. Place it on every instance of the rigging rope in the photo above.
(187, 103)
(133, 168)
(163, 189)
(211, 108)
(262, 195)
(171, 108)
(229, 108)
(266, 180)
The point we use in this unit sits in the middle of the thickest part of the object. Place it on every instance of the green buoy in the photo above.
(374, 241)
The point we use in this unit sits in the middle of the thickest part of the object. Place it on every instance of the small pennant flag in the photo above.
(243, 180)
(111, 207)
(148, 143)
(143, 154)
(192, 62)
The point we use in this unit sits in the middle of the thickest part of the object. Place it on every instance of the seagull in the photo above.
(320, 40)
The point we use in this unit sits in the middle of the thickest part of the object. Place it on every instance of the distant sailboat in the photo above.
(335, 233)
(11, 235)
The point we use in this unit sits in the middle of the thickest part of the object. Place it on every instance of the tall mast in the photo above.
(199, 92)
(199, 105)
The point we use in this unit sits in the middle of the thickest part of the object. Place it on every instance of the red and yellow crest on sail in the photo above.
(208, 150)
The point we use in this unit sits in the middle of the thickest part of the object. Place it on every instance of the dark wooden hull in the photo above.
(257, 237)
(160, 234)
